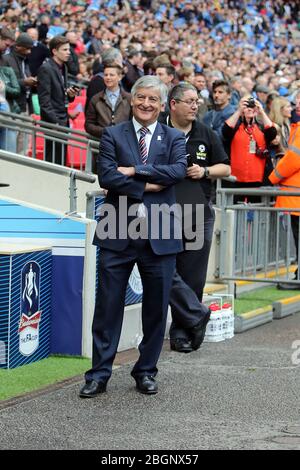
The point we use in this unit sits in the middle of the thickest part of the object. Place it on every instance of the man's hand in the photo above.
(242, 105)
(259, 107)
(263, 115)
(127, 170)
(71, 92)
(30, 81)
(276, 141)
(195, 172)
(153, 188)
(73, 114)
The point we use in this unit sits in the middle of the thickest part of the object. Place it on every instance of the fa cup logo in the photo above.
(30, 290)
(30, 312)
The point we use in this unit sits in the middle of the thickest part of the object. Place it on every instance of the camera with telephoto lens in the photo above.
(250, 103)
(262, 153)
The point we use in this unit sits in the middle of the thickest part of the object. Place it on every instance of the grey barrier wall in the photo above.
(53, 168)
(77, 146)
(261, 237)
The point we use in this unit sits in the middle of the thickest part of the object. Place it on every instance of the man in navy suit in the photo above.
(140, 161)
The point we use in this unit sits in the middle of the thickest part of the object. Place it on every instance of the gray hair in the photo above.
(112, 55)
(215, 73)
(294, 95)
(177, 92)
(151, 81)
(236, 78)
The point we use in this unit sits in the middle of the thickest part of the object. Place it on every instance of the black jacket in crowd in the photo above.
(52, 85)
(73, 62)
(205, 149)
(14, 61)
(38, 54)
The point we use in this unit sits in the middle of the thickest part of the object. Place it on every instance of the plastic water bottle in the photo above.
(214, 330)
(228, 318)
(225, 320)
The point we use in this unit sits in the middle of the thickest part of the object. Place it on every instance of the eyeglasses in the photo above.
(142, 98)
(189, 102)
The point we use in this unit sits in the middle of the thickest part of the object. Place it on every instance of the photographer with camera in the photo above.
(247, 142)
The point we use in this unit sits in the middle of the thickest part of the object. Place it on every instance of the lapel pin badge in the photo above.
(159, 137)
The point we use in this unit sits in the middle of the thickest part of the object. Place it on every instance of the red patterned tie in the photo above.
(142, 144)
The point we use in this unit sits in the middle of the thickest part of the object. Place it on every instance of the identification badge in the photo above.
(252, 146)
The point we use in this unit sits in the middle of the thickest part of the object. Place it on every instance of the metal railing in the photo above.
(53, 168)
(261, 234)
(65, 145)
(90, 203)
(260, 237)
(92, 195)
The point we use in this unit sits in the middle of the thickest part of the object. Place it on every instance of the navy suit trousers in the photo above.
(114, 271)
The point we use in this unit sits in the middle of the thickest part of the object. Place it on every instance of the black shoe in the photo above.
(146, 384)
(181, 345)
(92, 389)
(288, 286)
(198, 331)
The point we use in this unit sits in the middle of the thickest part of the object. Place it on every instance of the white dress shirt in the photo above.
(137, 127)
(141, 212)
(112, 97)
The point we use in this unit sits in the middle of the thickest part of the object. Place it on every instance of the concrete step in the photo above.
(283, 308)
(211, 288)
(248, 286)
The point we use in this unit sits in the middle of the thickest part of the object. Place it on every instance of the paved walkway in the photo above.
(238, 394)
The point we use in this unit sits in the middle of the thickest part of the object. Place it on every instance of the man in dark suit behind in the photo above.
(55, 95)
(140, 161)
(38, 54)
(17, 60)
(207, 160)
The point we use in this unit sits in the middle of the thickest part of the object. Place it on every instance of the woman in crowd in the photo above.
(247, 142)
(280, 114)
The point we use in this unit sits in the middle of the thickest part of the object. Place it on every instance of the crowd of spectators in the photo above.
(227, 49)
(256, 39)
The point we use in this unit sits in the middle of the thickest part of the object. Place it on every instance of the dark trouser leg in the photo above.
(22, 138)
(295, 230)
(55, 152)
(114, 272)
(185, 304)
(156, 273)
(189, 281)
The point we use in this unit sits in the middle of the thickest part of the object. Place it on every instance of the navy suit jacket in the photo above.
(166, 165)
